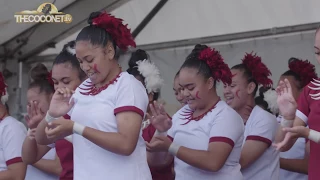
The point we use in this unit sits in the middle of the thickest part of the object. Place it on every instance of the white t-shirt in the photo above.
(262, 126)
(98, 112)
(221, 124)
(35, 174)
(12, 135)
(296, 152)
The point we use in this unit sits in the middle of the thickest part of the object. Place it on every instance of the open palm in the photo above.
(159, 118)
(61, 103)
(286, 102)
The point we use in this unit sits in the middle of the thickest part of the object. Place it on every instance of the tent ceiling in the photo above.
(189, 19)
(8, 27)
(43, 35)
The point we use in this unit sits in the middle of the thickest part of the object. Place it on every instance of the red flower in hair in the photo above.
(3, 85)
(49, 78)
(259, 71)
(119, 32)
(220, 70)
(304, 69)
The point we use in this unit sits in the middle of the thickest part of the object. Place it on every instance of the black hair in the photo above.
(248, 75)
(192, 61)
(40, 79)
(259, 100)
(177, 74)
(136, 56)
(66, 56)
(96, 35)
(291, 73)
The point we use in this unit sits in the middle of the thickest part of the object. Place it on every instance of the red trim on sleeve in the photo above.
(14, 160)
(171, 138)
(169, 116)
(222, 139)
(128, 108)
(259, 138)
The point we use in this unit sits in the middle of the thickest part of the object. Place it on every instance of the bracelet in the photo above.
(49, 118)
(286, 123)
(173, 149)
(78, 128)
(314, 136)
(157, 133)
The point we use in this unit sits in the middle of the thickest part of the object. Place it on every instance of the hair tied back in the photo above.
(220, 70)
(119, 32)
(304, 69)
(259, 70)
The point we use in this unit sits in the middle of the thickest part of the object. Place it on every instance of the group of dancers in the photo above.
(89, 119)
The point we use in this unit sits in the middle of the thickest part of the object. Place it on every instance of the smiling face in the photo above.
(195, 87)
(95, 60)
(64, 75)
(237, 94)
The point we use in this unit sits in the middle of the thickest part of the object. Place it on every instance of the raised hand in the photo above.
(159, 118)
(286, 102)
(60, 103)
(35, 115)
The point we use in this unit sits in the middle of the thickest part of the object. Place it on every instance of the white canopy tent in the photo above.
(276, 30)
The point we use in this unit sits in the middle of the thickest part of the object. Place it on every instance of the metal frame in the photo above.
(230, 37)
(41, 36)
(149, 17)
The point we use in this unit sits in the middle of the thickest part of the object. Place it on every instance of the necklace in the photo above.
(188, 114)
(91, 90)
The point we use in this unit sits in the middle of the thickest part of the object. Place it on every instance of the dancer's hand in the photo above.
(286, 102)
(61, 103)
(300, 131)
(59, 128)
(281, 146)
(159, 144)
(159, 118)
(35, 115)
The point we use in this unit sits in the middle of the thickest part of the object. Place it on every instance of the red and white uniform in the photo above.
(296, 152)
(262, 126)
(12, 135)
(309, 111)
(221, 124)
(98, 112)
(35, 174)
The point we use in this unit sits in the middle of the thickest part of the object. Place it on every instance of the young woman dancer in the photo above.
(295, 161)
(148, 74)
(106, 110)
(66, 72)
(202, 142)
(301, 114)
(38, 97)
(259, 160)
(12, 134)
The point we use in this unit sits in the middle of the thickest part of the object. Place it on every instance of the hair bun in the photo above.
(92, 16)
(39, 72)
(136, 56)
